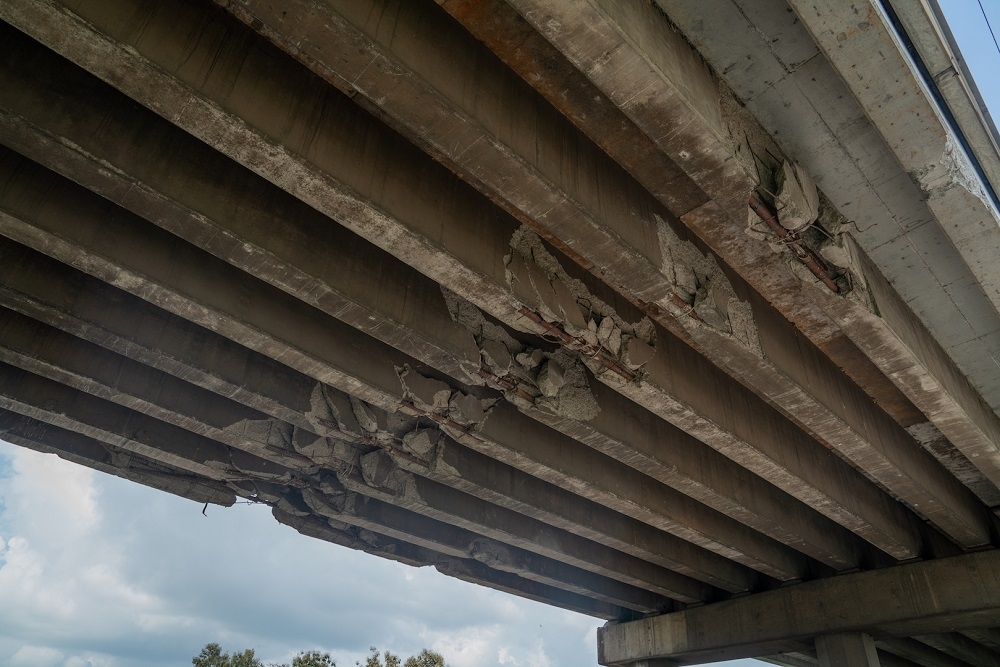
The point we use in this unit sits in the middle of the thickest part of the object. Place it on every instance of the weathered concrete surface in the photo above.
(494, 303)
(187, 177)
(853, 503)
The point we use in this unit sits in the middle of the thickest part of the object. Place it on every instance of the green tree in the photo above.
(312, 659)
(425, 659)
(212, 656)
(386, 660)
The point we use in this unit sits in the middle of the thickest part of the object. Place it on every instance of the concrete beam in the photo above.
(86, 451)
(917, 652)
(648, 56)
(577, 552)
(865, 435)
(859, 507)
(900, 345)
(961, 647)
(956, 593)
(386, 516)
(41, 350)
(97, 312)
(56, 404)
(161, 268)
(184, 186)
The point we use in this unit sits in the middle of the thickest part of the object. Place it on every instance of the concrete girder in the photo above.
(916, 363)
(328, 45)
(54, 293)
(56, 404)
(962, 592)
(894, 458)
(185, 187)
(861, 508)
(81, 449)
(406, 517)
(467, 569)
(41, 350)
(59, 357)
(110, 243)
(937, 164)
(134, 433)
(65, 366)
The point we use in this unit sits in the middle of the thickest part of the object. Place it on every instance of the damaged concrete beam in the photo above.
(147, 261)
(86, 451)
(674, 81)
(407, 246)
(64, 298)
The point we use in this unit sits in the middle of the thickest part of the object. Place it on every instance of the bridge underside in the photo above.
(509, 289)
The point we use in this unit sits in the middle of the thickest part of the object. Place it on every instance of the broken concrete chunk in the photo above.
(466, 409)
(497, 356)
(376, 467)
(798, 199)
(427, 394)
(615, 341)
(519, 279)
(548, 304)
(421, 442)
(572, 317)
(604, 330)
(291, 502)
(365, 416)
(637, 353)
(551, 378)
(530, 359)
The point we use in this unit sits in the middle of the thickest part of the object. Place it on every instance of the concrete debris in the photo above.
(699, 280)
(573, 398)
(531, 358)
(798, 198)
(551, 378)
(331, 412)
(637, 353)
(569, 296)
(466, 410)
(952, 169)
(421, 442)
(427, 394)
(497, 356)
(493, 554)
(379, 471)
(292, 503)
(328, 452)
(364, 415)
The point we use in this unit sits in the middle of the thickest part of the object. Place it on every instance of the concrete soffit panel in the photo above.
(878, 146)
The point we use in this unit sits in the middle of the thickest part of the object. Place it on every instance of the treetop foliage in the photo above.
(213, 656)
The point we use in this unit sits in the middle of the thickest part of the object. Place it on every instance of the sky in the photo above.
(99, 572)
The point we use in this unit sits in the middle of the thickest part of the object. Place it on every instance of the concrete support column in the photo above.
(846, 649)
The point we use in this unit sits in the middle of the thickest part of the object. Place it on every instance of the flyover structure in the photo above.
(679, 314)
